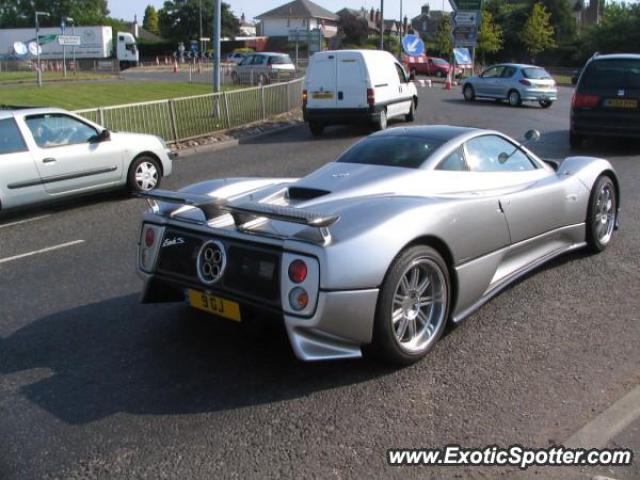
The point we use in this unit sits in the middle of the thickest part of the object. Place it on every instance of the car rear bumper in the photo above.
(536, 95)
(605, 123)
(341, 116)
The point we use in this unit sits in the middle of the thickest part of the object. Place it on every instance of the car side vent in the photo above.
(303, 193)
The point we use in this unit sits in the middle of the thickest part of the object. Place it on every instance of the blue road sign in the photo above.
(413, 45)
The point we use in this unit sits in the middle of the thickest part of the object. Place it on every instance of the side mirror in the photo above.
(532, 136)
(103, 136)
(503, 157)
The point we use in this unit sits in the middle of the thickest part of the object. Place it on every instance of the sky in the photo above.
(126, 9)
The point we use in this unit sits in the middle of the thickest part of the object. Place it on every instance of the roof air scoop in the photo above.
(305, 193)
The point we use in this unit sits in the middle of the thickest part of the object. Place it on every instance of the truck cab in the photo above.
(127, 50)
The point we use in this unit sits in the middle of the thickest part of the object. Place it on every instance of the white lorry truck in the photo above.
(96, 43)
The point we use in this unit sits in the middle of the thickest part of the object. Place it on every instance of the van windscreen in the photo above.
(619, 73)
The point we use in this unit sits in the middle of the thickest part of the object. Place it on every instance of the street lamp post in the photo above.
(215, 44)
(73, 49)
(400, 32)
(381, 24)
(200, 17)
(39, 71)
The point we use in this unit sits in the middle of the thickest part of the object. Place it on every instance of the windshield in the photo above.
(391, 151)
(280, 60)
(536, 73)
(612, 74)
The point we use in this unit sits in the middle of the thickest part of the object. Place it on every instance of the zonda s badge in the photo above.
(169, 242)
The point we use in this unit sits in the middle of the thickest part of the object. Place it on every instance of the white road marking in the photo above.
(43, 250)
(598, 432)
(26, 220)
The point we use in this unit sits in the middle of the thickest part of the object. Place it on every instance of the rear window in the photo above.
(10, 137)
(391, 151)
(536, 73)
(280, 60)
(611, 74)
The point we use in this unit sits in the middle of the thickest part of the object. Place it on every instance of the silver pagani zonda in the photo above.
(409, 229)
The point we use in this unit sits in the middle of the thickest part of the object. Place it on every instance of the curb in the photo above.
(213, 147)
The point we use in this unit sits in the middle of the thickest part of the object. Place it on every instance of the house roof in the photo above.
(300, 9)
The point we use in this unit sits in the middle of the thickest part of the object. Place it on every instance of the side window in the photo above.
(401, 74)
(11, 140)
(247, 60)
(508, 72)
(491, 153)
(454, 162)
(57, 130)
(258, 59)
(493, 72)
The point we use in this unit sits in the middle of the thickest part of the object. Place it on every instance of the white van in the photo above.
(356, 86)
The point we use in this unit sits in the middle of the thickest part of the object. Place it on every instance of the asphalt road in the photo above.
(94, 385)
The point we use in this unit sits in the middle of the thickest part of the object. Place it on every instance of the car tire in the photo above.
(575, 140)
(514, 98)
(601, 214)
(411, 116)
(316, 128)
(439, 74)
(381, 123)
(468, 93)
(545, 103)
(416, 329)
(144, 174)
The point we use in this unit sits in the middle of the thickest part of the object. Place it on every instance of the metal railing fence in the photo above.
(180, 119)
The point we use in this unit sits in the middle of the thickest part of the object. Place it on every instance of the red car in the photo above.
(429, 66)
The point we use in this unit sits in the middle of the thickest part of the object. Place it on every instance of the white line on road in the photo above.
(43, 250)
(598, 432)
(26, 220)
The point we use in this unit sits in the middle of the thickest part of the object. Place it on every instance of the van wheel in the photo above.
(411, 116)
(381, 124)
(316, 128)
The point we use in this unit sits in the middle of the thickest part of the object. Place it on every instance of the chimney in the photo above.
(377, 17)
(242, 18)
(425, 9)
(136, 27)
(371, 15)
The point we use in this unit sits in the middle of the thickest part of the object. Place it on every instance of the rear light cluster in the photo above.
(581, 100)
(525, 82)
(301, 283)
(304, 98)
(150, 237)
(371, 97)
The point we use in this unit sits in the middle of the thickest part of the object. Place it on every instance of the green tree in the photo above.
(617, 31)
(442, 42)
(490, 39)
(537, 34)
(180, 20)
(150, 22)
(20, 13)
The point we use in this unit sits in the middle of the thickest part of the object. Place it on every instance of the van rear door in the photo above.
(352, 80)
(321, 81)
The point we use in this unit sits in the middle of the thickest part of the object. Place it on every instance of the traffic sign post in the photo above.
(466, 21)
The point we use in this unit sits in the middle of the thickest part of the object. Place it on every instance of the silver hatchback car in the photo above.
(513, 82)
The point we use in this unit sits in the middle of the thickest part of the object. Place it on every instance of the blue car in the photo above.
(513, 82)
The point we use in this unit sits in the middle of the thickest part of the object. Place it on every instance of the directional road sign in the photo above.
(465, 18)
(413, 45)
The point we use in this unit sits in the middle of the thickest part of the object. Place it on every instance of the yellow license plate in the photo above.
(622, 103)
(322, 95)
(216, 305)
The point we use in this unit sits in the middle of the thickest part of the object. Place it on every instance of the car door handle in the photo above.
(49, 160)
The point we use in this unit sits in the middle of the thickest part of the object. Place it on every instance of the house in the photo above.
(298, 15)
(426, 24)
(247, 29)
(391, 27)
(367, 18)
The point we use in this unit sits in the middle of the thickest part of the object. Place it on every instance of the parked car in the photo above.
(49, 153)
(605, 101)
(513, 82)
(432, 66)
(236, 57)
(356, 86)
(410, 229)
(263, 68)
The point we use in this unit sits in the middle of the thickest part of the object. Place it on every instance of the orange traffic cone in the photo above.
(447, 83)
(176, 69)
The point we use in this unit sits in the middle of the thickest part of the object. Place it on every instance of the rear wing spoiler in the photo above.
(242, 213)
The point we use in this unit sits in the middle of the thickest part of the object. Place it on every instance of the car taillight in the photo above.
(304, 98)
(371, 97)
(525, 82)
(149, 237)
(298, 271)
(298, 298)
(581, 100)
